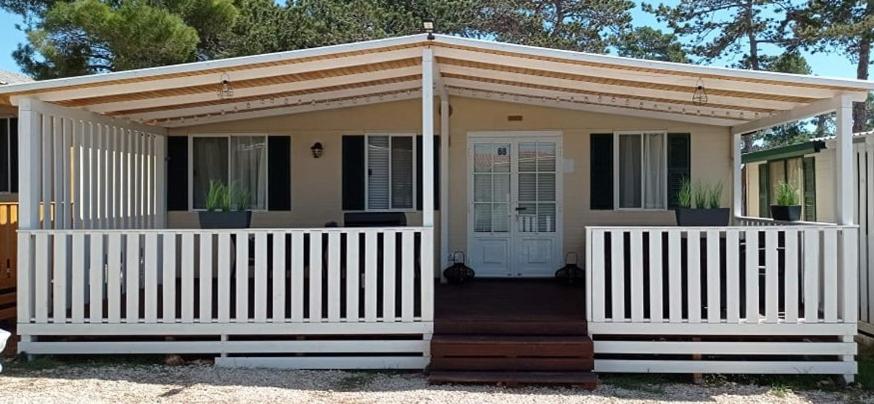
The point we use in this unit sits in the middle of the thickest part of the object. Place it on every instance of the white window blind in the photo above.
(390, 172)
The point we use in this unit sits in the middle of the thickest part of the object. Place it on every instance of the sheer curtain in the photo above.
(402, 172)
(629, 171)
(210, 163)
(654, 167)
(249, 168)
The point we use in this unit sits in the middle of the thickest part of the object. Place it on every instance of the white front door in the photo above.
(514, 204)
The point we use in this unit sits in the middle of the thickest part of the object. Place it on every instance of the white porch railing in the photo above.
(339, 281)
(731, 286)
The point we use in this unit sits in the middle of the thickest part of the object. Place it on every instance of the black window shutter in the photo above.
(679, 164)
(601, 171)
(353, 172)
(764, 190)
(177, 173)
(809, 168)
(4, 155)
(13, 146)
(279, 172)
(436, 172)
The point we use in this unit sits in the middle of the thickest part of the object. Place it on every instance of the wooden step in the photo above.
(512, 364)
(581, 379)
(509, 327)
(511, 346)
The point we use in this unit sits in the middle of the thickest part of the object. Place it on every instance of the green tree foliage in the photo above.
(652, 44)
(843, 25)
(724, 27)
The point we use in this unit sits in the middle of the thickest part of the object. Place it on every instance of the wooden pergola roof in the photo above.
(390, 69)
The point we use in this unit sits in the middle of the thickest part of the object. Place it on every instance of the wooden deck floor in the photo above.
(510, 300)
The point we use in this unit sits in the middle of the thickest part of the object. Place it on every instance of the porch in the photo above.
(102, 268)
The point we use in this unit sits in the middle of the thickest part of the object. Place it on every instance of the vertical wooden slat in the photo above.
(85, 190)
(242, 272)
(370, 247)
(279, 276)
(675, 276)
(617, 274)
(732, 276)
(771, 276)
(95, 176)
(388, 276)
(408, 271)
(224, 277)
(849, 271)
(112, 177)
(867, 211)
(65, 162)
(150, 270)
(655, 276)
(260, 297)
(132, 276)
(100, 184)
(693, 245)
(42, 277)
(78, 278)
(95, 278)
(205, 277)
(334, 276)
(57, 163)
(123, 175)
(790, 303)
(830, 279)
(59, 278)
(26, 269)
(168, 270)
(315, 273)
(76, 176)
(811, 275)
(714, 283)
(113, 275)
(752, 275)
(297, 278)
(636, 253)
(187, 272)
(598, 273)
(427, 276)
(136, 179)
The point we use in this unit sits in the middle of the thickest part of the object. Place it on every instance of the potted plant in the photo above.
(699, 205)
(226, 207)
(788, 207)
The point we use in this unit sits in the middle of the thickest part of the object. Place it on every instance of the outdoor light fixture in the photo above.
(317, 150)
(428, 26)
(225, 90)
(699, 97)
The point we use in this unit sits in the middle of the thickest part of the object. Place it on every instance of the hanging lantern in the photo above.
(571, 272)
(225, 90)
(699, 97)
(458, 273)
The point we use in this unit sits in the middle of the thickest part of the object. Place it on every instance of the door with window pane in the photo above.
(514, 206)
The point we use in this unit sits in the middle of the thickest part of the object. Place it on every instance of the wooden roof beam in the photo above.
(807, 111)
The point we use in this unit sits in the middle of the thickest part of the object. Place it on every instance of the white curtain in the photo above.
(654, 174)
(629, 171)
(249, 168)
(402, 172)
(210, 163)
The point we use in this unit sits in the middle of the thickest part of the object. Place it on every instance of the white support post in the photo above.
(160, 196)
(29, 156)
(736, 187)
(844, 162)
(444, 179)
(428, 137)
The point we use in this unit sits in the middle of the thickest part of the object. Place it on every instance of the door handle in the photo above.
(519, 209)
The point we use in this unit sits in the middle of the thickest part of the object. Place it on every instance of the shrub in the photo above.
(787, 194)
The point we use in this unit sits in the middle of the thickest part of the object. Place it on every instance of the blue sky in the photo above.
(824, 64)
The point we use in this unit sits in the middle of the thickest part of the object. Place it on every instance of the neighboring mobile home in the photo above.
(367, 165)
(811, 167)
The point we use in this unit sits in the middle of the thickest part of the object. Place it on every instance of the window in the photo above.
(239, 161)
(390, 162)
(641, 161)
(797, 171)
(8, 155)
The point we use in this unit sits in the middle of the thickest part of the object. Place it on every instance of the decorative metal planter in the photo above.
(571, 273)
(458, 273)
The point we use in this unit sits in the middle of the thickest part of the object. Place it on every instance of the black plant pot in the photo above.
(703, 217)
(786, 213)
(225, 220)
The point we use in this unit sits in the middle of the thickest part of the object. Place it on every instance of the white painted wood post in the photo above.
(844, 162)
(160, 188)
(428, 138)
(736, 176)
(29, 165)
(444, 180)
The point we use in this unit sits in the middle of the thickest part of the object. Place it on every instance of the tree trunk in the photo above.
(751, 36)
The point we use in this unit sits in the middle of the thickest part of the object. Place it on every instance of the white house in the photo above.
(367, 165)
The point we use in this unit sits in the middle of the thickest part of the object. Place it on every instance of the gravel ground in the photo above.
(205, 383)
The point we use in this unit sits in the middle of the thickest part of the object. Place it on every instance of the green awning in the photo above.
(784, 152)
